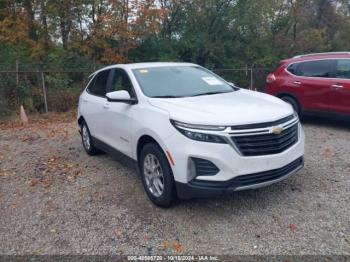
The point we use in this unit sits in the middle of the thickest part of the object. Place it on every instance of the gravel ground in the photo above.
(54, 199)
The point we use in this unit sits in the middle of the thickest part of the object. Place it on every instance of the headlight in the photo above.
(199, 136)
(296, 115)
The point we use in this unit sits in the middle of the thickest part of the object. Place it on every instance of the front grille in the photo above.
(252, 179)
(266, 144)
(205, 167)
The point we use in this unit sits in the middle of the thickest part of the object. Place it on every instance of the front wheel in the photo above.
(157, 176)
(87, 140)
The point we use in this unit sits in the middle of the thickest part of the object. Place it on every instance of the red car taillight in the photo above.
(270, 78)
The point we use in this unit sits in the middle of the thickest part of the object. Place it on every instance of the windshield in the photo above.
(179, 81)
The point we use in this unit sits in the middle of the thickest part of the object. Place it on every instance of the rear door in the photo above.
(340, 89)
(314, 79)
(94, 102)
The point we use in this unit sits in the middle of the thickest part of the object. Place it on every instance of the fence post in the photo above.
(44, 91)
(17, 83)
(251, 77)
(17, 73)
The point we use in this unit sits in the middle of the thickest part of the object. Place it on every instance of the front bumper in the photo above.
(224, 156)
(201, 189)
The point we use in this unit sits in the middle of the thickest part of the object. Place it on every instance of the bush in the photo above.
(63, 100)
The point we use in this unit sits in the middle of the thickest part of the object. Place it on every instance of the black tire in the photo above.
(168, 194)
(293, 103)
(90, 149)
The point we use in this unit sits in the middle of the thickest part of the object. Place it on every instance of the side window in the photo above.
(121, 81)
(98, 85)
(343, 68)
(319, 68)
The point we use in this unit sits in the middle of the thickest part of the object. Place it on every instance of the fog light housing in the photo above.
(200, 167)
(191, 169)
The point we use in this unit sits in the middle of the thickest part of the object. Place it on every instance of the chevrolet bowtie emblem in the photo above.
(277, 130)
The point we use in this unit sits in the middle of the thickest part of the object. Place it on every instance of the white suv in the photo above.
(191, 133)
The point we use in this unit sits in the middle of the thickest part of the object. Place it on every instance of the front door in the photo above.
(119, 115)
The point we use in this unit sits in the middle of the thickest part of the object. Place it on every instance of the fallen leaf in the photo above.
(328, 153)
(172, 245)
(34, 182)
(178, 247)
(165, 245)
(50, 206)
(4, 174)
(40, 250)
(69, 166)
(293, 227)
(71, 178)
(82, 192)
(45, 182)
(118, 232)
(347, 240)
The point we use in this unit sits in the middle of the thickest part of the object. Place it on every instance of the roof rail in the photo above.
(325, 53)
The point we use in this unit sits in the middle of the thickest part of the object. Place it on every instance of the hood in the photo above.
(234, 108)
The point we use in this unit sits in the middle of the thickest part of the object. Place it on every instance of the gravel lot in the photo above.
(54, 199)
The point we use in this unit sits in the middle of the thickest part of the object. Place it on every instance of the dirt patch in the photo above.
(54, 199)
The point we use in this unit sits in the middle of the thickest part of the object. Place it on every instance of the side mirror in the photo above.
(121, 96)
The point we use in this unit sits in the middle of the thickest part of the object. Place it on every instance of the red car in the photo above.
(314, 83)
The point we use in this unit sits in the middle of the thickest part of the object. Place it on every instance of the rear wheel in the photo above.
(157, 176)
(292, 102)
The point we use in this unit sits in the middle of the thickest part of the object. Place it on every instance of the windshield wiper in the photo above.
(211, 93)
(166, 96)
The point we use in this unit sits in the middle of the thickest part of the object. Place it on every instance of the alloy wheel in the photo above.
(86, 137)
(153, 175)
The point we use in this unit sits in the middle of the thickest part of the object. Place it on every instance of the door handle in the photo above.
(297, 83)
(106, 106)
(336, 86)
(85, 100)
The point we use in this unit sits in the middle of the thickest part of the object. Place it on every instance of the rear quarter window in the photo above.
(91, 82)
(293, 68)
(98, 85)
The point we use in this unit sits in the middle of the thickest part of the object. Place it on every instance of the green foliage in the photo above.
(216, 34)
(63, 100)
(61, 82)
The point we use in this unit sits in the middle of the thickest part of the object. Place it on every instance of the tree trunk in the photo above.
(64, 34)
(27, 4)
(44, 22)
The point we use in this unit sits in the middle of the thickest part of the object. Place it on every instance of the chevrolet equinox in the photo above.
(191, 133)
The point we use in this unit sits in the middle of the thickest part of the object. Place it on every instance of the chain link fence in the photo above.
(249, 78)
(58, 90)
(40, 91)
